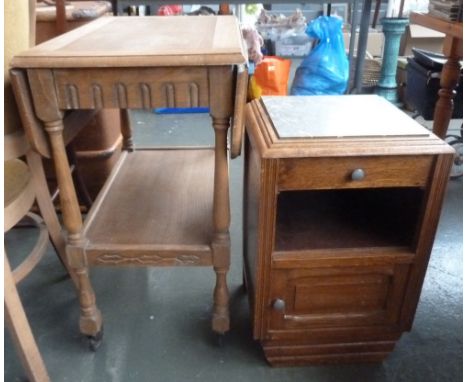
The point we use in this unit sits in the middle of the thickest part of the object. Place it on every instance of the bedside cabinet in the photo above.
(341, 203)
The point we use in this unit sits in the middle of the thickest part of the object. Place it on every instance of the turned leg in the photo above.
(47, 209)
(444, 106)
(221, 87)
(126, 130)
(221, 220)
(90, 317)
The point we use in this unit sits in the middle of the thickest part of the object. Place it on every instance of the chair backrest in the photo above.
(20, 21)
(19, 35)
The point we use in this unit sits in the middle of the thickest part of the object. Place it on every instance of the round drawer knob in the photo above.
(358, 174)
(279, 304)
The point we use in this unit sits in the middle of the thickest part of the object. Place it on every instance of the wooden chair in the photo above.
(24, 184)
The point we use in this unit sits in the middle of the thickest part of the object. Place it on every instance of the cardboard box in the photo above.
(375, 41)
(417, 36)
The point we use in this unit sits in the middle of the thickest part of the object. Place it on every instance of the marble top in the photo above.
(338, 116)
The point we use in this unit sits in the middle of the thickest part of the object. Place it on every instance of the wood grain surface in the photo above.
(142, 41)
(158, 197)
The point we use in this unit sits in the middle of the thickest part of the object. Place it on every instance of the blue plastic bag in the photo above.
(326, 69)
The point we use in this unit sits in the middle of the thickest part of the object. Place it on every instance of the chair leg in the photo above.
(21, 333)
(47, 210)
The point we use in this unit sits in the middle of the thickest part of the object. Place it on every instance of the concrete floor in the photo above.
(157, 320)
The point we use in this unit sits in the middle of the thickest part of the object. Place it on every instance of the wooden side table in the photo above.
(453, 49)
(160, 207)
(341, 203)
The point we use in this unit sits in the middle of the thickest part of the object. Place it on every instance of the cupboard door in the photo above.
(344, 297)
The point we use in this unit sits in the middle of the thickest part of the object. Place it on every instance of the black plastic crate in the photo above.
(422, 87)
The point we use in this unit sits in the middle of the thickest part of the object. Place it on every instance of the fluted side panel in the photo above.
(98, 98)
(194, 95)
(169, 95)
(145, 90)
(132, 88)
(72, 97)
(122, 96)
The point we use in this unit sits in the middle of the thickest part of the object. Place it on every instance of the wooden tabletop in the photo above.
(450, 28)
(142, 41)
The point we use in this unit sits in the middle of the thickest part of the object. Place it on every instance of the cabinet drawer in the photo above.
(340, 297)
(354, 172)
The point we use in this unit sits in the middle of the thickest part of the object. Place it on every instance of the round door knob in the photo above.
(279, 304)
(358, 174)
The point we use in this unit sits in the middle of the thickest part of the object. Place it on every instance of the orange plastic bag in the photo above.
(270, 77)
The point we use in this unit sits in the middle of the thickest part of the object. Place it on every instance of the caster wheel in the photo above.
(95, 341)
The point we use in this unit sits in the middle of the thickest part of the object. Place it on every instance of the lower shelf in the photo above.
(155, 209)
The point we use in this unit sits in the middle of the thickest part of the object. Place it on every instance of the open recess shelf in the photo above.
(347, 218)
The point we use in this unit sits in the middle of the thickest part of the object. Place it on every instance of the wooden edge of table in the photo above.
(84, 61)
(450, 28)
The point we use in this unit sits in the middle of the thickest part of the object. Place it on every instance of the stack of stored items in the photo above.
(284, 35)
(451, 10)
(423, 84)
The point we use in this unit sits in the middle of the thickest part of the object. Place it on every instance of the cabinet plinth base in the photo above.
(279, 354)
